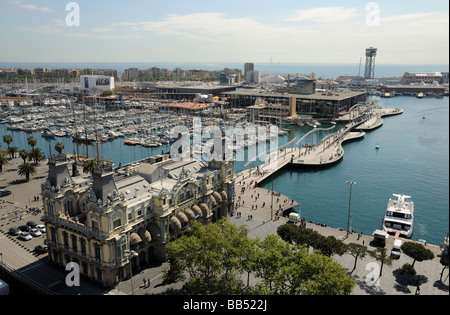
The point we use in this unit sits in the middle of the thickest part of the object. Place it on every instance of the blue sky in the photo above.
(288, 31)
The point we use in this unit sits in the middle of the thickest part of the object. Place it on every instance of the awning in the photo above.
(144, 235)
(224, 195)
(175, 224)
(135, 239)
(217, 196)
(183, 218)
(197, 210)
(189, 213)
(205, 209)
(213, 200)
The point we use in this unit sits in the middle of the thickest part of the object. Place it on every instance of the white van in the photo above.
(396, 248)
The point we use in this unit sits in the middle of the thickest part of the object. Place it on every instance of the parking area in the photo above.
(22, 204)
(27, 243)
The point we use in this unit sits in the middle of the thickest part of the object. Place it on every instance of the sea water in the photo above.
(413, 159)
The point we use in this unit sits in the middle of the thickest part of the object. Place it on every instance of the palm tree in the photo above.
(37, 155)
(24, 154)
(32, 141)
(26, 170)
(89, 165)
(3, 161)
(59, 147)
(7, 139)
(12, 152)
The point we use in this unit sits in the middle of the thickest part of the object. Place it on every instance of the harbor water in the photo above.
(413, 159)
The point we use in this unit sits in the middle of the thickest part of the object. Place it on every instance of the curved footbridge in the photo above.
(325, 153)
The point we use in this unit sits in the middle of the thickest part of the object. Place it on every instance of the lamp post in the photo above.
(351, 182)
(129, 254)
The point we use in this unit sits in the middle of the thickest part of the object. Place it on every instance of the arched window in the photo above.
(50, 208)
(68, 207)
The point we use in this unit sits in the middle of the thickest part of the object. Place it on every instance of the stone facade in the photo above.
(93, 220)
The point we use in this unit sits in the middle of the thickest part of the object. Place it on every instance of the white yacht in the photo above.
(399, 216)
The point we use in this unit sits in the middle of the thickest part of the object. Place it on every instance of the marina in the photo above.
(319, 155)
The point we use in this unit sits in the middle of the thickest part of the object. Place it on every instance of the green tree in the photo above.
(270, 256)
(329, 246)
(288, 232)
(12, 152)
(26, 170)
(32, 141)
(3, 161)
(357, 251)
(36, 155)
(24, 154)
(290, 269)
(417, 252)
(89, 165)
(8, 139)
(59, 147)
(212, 257)
(381, 255)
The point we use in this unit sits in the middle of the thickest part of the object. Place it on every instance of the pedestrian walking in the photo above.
(145, 283)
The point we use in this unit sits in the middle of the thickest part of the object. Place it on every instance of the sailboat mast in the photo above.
(85, 131)
(96, 132)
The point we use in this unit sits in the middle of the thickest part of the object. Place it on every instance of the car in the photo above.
(32, 224)
(4, 192)
(41, 249)
(25, 236)
(14, 231)
(24, 228)
(35, 232)
(41, 228)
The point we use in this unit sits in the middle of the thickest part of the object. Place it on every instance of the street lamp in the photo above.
(129, 254)
(349, 204)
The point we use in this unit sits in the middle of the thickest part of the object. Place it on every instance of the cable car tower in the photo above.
(371, 54)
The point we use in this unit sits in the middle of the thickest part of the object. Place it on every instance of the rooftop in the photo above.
(335, 96)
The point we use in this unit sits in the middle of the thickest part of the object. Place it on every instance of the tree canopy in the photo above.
(215, 257)
(417, 252)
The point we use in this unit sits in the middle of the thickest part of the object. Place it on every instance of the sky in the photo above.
(284, 31)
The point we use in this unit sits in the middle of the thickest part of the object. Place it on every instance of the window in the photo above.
(83, 246)
(95, 227)
(74, 243)
(97, 252)
(117, 223)
(68, 207)
(66, 240)
(50, 208)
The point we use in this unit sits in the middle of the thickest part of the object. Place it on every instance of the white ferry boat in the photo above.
(399, 216)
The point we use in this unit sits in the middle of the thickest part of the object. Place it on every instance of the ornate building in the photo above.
(94, 220)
